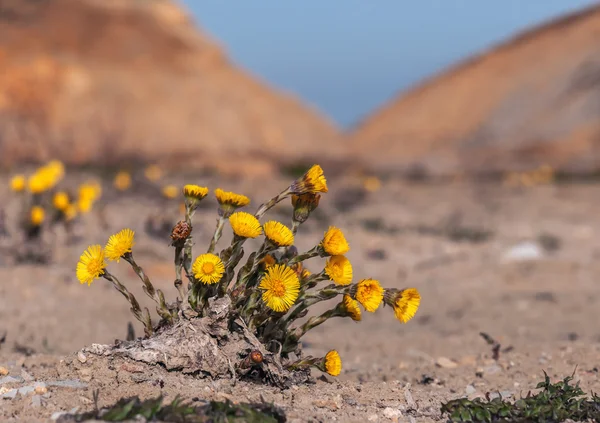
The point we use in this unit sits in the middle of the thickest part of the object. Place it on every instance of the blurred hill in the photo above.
(111, 81)
(533, 100)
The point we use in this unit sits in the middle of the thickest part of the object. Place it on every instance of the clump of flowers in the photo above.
(44, 203)
(259, 302)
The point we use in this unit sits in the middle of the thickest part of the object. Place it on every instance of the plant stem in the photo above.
(269, 204)
(217, 234)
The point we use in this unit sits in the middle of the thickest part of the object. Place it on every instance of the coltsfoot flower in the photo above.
(119, 244)
(245, 225)
(194, 192)
(37, 215)
(369, 293)
(333, 363)
(281, 287)
(122, 181)
(312, 181)
(170, 191)
(334, 242)
(405, 302)
(339, 270)
(60, 201)
(70, 212)
(304, 205)
(17, 183)
(351, 307)
(230, 201)
(208, 268)
(153, 173)
(91, 264)
(278, 233)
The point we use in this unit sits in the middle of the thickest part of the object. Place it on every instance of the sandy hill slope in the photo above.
(530, 101)
(109, 81)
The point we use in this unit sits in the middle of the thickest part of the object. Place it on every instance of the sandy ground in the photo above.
(449, 241)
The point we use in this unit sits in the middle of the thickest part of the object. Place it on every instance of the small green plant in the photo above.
(179, 411)
(554, 403)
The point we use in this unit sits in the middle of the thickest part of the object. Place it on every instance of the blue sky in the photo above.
(347, 57)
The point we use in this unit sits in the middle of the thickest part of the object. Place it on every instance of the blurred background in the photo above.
(461, 142)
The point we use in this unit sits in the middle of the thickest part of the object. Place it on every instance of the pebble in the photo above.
(11, 394)
(410, 402)
(331, 405)
(36, 401)
(493, 369)
(3, 371)
(81, 357)
(41, 389)
(503, 394)
(446, 363)
(11, 379)
(524, 251)
(392, 413)
(68, 383)
(470, 389)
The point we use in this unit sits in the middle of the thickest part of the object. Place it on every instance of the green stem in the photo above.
(135, 306)
(217, 234)
(269, 204)
(313, 252)
(147, 287)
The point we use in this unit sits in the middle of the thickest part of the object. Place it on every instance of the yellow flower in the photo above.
(60, 200)
(38, 183)
(91, 264)
(351, 306)
(122, 181)
(119, 244)
(37, 215)
(406, 304)
(278, 233)
(70, 212)
(245, 225)
(231, 198)
(17, 183)
(305, 273)
(281, 287)
(333, 363)
(339, 270)
(312, 181)
(153, 173)
(369, 293)
(84, 205)
(334, 243)
(195, 192)
(170, 191)
(267, 261)
(208, 268)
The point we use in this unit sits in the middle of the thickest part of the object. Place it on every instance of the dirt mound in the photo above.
(107, 81)
(531, 101)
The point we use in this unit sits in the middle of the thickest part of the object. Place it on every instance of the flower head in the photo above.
(208, 268)
(405, 302)
(351, 307)
(333, 363)
(38, 183)
(153, 173)
(122, 181)
(170, 191)
(194, 192)
(91, 264)
(119, 244)
(180, 232)
(70, 212)
(37, 215)
(267, 261)
(278, 233)
(339, 270)
(281, 287)
(229, 201)
(17, 183)
(334, 243)
(245, 225)
(369, 293)
(304, 205)
(312, 181)
(60, 201)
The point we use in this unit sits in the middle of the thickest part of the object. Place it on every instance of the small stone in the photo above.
(67, 383)
(3, 371)
(36, 401)
(81, 357)
(446, 363)
(470, 389)
(410, 402)
(41, 389)
(132, 368)
(11, 394)
(331, 405)
(26, 390)
(392, 413)
(11, 379)
(26, 376)
(373, 418)
(493, 369)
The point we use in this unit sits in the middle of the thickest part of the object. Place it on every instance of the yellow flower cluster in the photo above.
(89, 192)
(43, 179)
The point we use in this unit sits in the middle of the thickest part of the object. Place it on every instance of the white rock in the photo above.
(446, 363)
(392, 413)
(525, 251)
(470, 389)
(373, 418)
(81, 357)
